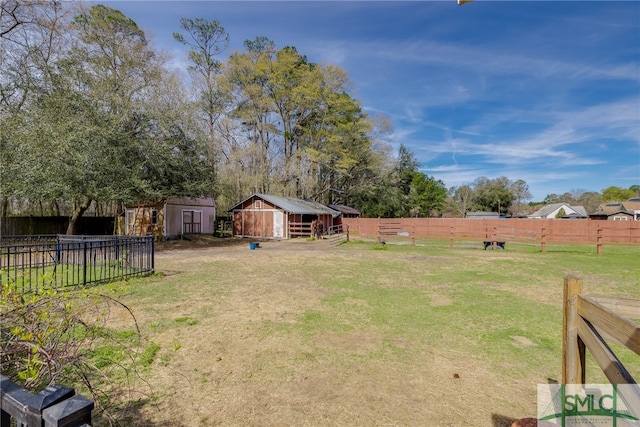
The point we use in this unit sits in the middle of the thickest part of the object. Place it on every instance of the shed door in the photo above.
(191, 221)
(278, 224)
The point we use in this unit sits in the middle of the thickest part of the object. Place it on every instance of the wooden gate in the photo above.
(589, 321)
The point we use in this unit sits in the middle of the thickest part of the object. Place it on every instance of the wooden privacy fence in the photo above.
(55, 406)
(516, 230)
(588, 322)
(38, 225)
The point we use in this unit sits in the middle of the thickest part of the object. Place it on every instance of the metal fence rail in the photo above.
(33, 263)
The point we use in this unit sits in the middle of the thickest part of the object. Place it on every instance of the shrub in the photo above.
(62, 337)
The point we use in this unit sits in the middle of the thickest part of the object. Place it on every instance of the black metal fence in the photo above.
(56, 261)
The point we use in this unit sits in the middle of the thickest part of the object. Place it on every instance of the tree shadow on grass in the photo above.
(129, 416)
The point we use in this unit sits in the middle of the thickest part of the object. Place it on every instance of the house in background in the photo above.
(551, 211)
(276, 217)
(633, 205)
(170, 218)
(625, 211)
(612, 215)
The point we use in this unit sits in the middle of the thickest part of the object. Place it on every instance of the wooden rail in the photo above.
(334, 229)
(299, 229)
(588, 322)
(336, 239)
(55, 406)
(395, 227)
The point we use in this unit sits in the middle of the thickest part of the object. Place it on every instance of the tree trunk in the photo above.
(78, 210)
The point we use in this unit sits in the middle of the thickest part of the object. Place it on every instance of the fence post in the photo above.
(55, 406)
(451, 236)
(543, 240)
(347, 232)
(573, 349)
(153, 255)
(494, 238)
(599, 241)
(72, 412)
(413, 233)
(84, 262)
(58, 250)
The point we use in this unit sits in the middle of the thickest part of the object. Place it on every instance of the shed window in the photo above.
(258, 204)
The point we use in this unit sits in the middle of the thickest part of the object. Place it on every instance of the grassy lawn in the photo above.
(296, 333)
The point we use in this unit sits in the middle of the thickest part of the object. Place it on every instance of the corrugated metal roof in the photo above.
(293, 205)
(345, 209)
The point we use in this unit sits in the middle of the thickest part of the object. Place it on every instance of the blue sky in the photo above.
(544, 91)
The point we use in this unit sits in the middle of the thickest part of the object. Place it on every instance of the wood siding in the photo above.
(254, 218)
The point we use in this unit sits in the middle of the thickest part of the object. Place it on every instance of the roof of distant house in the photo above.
(632, 204)
(600, 213)
(628, 206)
(547, 210)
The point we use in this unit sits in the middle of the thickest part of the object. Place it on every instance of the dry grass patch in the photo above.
(296, 333)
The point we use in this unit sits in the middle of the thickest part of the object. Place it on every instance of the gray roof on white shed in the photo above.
(293, 205)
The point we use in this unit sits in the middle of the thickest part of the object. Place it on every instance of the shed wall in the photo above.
(254, 218)
(253, 223)
(174, 211)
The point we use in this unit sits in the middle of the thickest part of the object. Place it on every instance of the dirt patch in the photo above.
(203, 242)
(356, 302)
(520, 341)
(359, 342)
(440, 301)
(430, 259)
(191, 241)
